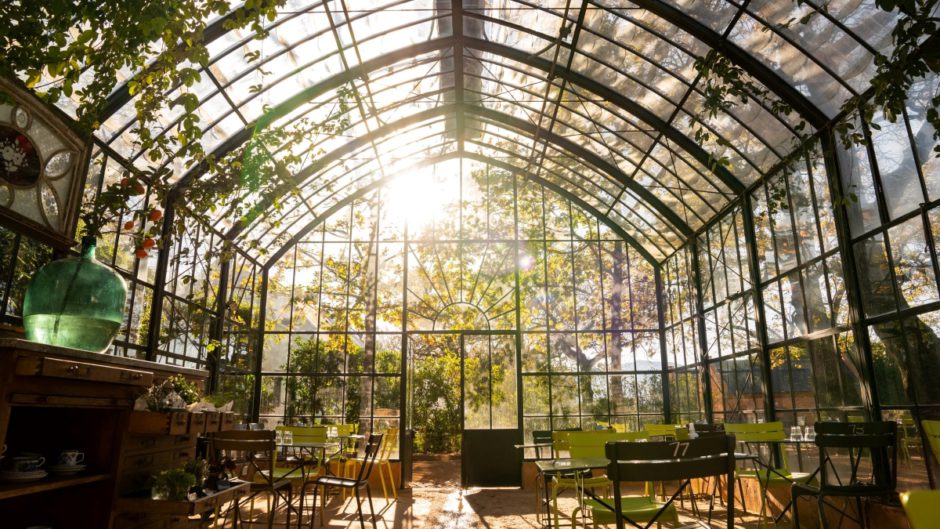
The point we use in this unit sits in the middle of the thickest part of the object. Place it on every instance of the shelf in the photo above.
(13, 490)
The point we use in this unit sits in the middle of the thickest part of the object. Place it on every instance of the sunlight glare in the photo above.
(423, 195)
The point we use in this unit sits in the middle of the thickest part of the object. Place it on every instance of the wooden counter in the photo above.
(52, 399)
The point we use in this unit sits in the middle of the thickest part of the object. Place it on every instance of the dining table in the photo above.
(549, 468)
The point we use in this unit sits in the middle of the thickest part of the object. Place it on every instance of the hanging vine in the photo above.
(80, 50)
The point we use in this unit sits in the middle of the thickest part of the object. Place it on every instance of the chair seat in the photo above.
(637, 508)
(587, 483)
(776, 476)
(846, 490)
(334, 481)
(281, 473)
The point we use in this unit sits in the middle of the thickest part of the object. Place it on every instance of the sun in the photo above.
(418, 198)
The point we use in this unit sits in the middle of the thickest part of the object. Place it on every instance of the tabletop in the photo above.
(327, 444)
(569, 464)
(533, 445)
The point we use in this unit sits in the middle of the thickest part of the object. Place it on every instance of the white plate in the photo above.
(32, 475)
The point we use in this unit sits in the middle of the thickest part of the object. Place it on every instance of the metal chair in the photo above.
(879, 439)
(253, 455)
(764, 433)
(680, 461)
(922, 508)
(587, 444)
(361, 481)
(932, 433)
(668, 432)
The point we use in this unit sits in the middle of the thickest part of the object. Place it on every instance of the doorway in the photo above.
(462, 401)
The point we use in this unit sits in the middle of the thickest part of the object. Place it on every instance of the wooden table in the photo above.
(145, 512)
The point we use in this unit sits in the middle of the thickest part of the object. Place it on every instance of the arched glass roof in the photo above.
(596, 98)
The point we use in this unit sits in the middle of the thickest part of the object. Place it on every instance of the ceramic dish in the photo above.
(32, 475)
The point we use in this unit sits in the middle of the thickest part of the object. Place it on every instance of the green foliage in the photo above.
(435, 403)
(52, 44)
(172, 484)
(186, 389)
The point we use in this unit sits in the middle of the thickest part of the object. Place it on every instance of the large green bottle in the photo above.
(75, 302)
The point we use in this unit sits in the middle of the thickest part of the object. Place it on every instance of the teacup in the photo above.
(27, 462)
(71, 458)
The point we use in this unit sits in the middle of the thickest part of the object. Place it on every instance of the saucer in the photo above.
(64, 470)
(31, 475)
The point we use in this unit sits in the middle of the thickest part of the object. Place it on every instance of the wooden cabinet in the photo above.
(53, 399)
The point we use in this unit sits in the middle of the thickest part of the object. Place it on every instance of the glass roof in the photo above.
(597, 98)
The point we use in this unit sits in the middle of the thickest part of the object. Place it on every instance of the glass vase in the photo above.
(75, 302)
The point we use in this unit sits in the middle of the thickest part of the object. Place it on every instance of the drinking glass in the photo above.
(796, 433)
(278, 437)
(288, 437)
(810, 433)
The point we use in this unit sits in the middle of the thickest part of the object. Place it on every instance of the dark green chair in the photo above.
(859, 441)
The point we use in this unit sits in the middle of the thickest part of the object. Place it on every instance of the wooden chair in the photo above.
(680, 461)
(253, 454)
(361, 481)
(879, 439)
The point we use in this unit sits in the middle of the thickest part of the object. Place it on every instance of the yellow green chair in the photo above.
(639, 508)
(668, 432)
(382, 461)
(586, 444)
(932, 432)
(908, 437)
(922, 507)
(765, 432)
(301, 434)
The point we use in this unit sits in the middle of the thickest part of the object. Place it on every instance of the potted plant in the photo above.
(172, 485)
(165, 405)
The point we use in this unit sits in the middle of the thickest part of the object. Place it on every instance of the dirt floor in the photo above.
(437, 501)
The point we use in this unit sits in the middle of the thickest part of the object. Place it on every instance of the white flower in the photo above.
(13, 157)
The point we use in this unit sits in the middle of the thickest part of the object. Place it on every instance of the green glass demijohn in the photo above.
(75, 302)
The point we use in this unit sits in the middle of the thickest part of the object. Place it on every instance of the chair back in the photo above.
(389, 444)
(756, 432)
(671, 461)
(922, 508)
(542, 437)
(305, 434)
(932, 432)
(560, 440)
(253, 452)
(667, 431)
(880, 439)
(373, 445)
(710, 428)
(591, 444)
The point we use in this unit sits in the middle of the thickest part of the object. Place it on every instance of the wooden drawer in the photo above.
(227, 422)
(197, 423)
(212, 421)
(159, 422)
(73, 370)
(136, 444)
